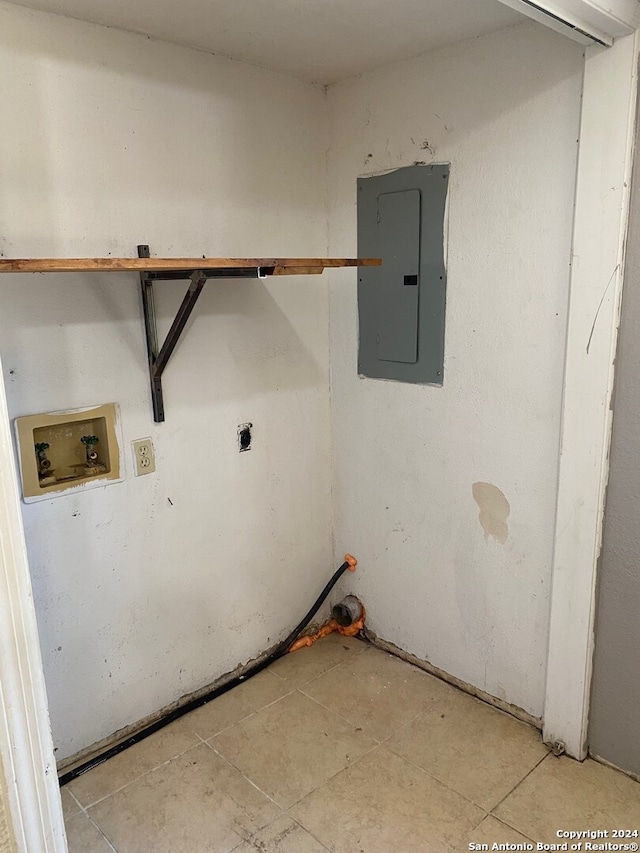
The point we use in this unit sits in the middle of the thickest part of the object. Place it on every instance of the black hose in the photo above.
(280, 650)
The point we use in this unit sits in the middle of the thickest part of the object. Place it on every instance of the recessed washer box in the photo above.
(70, 451)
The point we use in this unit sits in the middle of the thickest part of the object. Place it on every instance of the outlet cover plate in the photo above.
(143, 456)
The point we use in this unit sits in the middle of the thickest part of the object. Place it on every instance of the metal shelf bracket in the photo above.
(159, 356)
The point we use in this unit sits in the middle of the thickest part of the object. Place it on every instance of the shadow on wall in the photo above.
(112, 134)
(449, 112)
(244, 323)
(62, 330)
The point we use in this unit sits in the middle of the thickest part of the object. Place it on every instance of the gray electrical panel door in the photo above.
(397, 292)
(401, 305)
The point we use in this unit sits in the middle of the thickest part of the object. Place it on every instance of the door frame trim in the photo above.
(607, 136)
(26, 746)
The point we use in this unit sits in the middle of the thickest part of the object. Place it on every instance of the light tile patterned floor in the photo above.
(341, 748)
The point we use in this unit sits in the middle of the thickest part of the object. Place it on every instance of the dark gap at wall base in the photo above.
(595, 757)
(519, 713)
(280, 650)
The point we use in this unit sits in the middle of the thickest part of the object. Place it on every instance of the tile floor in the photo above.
(341, 748)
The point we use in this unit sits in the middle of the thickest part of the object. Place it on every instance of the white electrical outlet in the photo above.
(145, 460)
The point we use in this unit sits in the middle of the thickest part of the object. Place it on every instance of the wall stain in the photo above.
(494, 510)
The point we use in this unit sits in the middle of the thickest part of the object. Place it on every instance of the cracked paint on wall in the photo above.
(494, 510)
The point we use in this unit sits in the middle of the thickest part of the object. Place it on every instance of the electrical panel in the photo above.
(401, 305)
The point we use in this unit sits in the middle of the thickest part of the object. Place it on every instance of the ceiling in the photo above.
(318, 40)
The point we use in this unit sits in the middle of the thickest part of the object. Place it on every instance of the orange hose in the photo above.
(352, 562)
(329, 628)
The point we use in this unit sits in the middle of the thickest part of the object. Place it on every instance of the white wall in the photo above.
(108, 140)
(504, 110)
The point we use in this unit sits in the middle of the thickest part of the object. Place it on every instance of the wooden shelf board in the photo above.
(278, 266)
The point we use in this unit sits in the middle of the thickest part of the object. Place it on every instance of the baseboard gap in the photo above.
(86, 754)
(500, 704)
